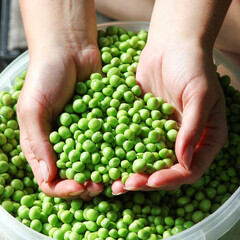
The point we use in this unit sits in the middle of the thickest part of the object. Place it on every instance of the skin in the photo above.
(189, 83)
(62, 42)
(56, 63)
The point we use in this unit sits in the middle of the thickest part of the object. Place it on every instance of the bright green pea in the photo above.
(115, 81)
(96, 177)
(65, 119)
(172, 135)
(6, 112)
(106, 57)
(128, 96)
(54, 137)
(89, 146)
(144, 114)
(79, 106)
(113, 71)
(114, 173)
(167, 109)
(126, 58)
(9, 133)
(129, 134)
(124, 46)
(64, 132)
(36, 225)
(80, 177)
(139, 165)
(128, 145)
(35, 213)
(140, 147)
(94, 124)
(114, 162)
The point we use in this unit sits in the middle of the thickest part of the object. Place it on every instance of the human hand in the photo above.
(48, 86)
(183, 74)
(63, 49)
(177, 65)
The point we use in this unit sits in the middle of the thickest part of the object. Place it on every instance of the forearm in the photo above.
(229, 34)
(198, 21)
(71, 23)
(126, 10)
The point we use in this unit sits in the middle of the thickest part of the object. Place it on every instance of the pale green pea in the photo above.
(36, 225)
(113, 71)
(167, 108)
(124, 46)
(93, 103)
(114, 162)
(172, 135)
(128, 96)
(123, 119)
(144, 113)
(128, 145)
(107, 91)
(115, 81)
(139, 165)
(120, 139)
(140, 147)
(65, 119)
(79, 106)
(114, 173)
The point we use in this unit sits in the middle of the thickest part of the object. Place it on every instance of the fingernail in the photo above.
(94, 194)
(187, 157)
(116, 194)
(130, 188)
(44, 170)
(74, 194)
(152, 186)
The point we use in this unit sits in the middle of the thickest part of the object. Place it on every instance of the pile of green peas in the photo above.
(132, 216)
(108, 131)
(103, 137)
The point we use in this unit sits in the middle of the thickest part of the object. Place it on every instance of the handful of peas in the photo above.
(106, 132)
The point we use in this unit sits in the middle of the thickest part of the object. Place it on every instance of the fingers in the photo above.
(136, 182)
(198, 102)
(212, 140)
(118, 187)
(92, 190)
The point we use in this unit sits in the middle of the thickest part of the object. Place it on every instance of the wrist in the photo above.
(67, 25)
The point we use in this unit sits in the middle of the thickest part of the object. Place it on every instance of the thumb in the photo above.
(36, 128)
(195, 115)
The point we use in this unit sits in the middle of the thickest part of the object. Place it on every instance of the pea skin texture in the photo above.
(108, 132)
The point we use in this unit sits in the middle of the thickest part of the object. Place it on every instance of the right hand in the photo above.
(49, 85)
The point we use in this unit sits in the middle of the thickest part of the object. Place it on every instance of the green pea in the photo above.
(197, 216)
(139, 165)
(36, 225)
(65, 119)
(172, 135)
(167, 109)
(3, 166)
(96, 177)
(89, 146)
(114, 173)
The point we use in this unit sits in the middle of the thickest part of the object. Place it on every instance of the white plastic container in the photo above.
(224, 224)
